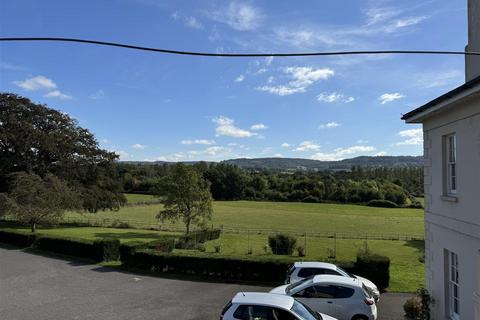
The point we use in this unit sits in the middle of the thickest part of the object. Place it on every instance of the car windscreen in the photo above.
(298, 284)
(345, 273)
(304, 311)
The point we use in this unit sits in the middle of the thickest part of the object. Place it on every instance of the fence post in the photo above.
(248, 241)
(305, 244)
(335, 246)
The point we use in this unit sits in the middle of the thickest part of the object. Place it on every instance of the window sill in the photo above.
(449, 198)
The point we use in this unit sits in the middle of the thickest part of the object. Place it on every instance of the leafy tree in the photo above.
(41, 140)
(34, 200)
(186, 196)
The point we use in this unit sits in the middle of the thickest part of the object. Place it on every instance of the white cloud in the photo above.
(402, 23)
(342, 153)
(192, 22)
(412, 137)
(268, 60)
(36, 83)
(440, 79)
(362, 141)
(9, 66)
(226, 127)
(179, 156)
(139, 146)
(123, 155)
(286, 145)
(214, 34)
(57, 94)
(240, 78)
(330, 125)
(258, 126)
(307, 146)
(105, 141)
(239, 16)
(330, 97)
(198, 141)
(389, 97)
(100, 94)
(301, 79)
(381, 154)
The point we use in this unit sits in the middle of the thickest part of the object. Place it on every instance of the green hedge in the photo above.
(374, 267)
(17, 239)
(101, 250)
(202, 236)
(224, 268)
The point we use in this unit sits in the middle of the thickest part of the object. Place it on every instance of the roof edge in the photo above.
(420, 112)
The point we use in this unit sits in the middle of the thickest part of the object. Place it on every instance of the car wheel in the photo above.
(359, 317)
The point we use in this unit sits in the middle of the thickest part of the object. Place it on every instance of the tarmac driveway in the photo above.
(36, 287)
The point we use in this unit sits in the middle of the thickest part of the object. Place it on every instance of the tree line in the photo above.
(229, 182)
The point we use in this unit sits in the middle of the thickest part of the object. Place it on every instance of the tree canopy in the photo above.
(40, 140)
(186, 196)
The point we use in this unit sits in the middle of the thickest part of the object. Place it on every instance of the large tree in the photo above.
(35, 200)
(40, 140)
(186, 196)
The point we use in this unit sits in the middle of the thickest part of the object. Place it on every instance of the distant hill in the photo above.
(294, 164)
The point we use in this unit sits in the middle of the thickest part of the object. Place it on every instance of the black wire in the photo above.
(210, 54)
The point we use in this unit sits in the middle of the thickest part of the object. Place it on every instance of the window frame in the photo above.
(450, 165)
(453, 286)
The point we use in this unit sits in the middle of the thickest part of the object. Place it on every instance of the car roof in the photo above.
(327, 278)
(264, 299)
(315, 264)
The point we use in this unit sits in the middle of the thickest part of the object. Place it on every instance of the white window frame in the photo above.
(451, 164)
(453, 286)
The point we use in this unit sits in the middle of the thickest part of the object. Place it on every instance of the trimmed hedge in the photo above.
(225, 268)
(374, 267)
(201, 236)
(101, 250)
(17, 239)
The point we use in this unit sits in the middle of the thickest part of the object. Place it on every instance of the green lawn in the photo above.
(301, 217)
(407, 272)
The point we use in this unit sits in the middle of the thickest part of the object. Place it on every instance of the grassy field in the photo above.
(247, 225)
(301, 217)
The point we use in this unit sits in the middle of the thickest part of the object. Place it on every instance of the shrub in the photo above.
(375, 268)
(217, 248)
(382, 204)
(120, 224)
(412, 308)
(183, 243)
(107, 249)
(282, 244)
(200, 247)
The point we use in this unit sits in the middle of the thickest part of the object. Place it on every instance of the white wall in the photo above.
(454, 226)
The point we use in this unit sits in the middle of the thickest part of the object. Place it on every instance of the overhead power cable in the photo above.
(212, 54)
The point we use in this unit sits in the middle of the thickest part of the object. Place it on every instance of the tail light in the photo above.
(369, 301)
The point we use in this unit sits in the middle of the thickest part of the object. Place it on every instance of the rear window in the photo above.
(343, 292)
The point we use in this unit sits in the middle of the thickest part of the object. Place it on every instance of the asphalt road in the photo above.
(37, 287)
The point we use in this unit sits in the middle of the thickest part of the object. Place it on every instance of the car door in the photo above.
(343, 301)
(316, 297)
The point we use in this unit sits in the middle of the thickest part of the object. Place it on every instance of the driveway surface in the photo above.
(37, 287)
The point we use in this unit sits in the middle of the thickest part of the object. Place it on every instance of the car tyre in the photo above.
(359, 317)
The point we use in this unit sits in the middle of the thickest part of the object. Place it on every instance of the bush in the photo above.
(412, 308)
(217, 248)
(282, 244)
(375, 268)
(382, 204)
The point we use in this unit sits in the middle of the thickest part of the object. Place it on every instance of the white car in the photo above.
(301, 270)
(342, 297)
(267, 306)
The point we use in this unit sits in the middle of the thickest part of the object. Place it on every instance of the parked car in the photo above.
(268, 306)
(342, 297)
(301, 270)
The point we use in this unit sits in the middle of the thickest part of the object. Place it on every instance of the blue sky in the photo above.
(149, 106)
